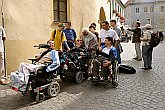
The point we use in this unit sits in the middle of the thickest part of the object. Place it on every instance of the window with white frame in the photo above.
(162, 9)
(145, 9)
(151, 9)
(148, 21)
(137, 10)
(60, 10)
(162, 21)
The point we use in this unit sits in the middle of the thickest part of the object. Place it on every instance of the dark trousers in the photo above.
(96, 66)
(147, 55)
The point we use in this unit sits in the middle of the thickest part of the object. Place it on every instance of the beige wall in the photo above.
(84, 12)
(28, 23)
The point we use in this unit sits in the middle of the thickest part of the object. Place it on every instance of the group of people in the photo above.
(107, 41)
(144, 37)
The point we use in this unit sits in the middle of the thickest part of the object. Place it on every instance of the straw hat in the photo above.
(54, 25)
(148, 26)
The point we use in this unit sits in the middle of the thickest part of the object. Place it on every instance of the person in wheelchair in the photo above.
(106, 56)
(48, 58)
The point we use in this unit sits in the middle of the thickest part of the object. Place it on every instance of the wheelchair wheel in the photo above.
(53, 89)
(79, 77)
(40, 97)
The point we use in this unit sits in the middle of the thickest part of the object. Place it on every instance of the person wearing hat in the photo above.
(146, 48)
(137, 33)
(59, 38)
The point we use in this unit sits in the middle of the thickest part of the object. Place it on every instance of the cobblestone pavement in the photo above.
(144, 90)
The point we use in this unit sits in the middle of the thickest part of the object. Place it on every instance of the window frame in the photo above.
(59, 11)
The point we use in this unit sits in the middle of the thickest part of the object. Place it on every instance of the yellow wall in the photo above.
(28, 23)
(84, 12)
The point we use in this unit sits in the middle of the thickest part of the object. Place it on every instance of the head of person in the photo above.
(148, 27)
(105, 25)
(92, 28)
(79, 42)
(51, 44)
(108, 41)
(137, 24)
(85, 31)
(94, 24)
(67, 25)
(61, 26)
(113, 23)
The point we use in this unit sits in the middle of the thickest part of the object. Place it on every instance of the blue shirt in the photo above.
(70, 34)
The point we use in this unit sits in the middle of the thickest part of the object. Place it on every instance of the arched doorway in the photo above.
(102, 16)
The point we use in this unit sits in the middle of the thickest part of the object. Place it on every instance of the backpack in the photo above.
(155, 40)
(55, 34)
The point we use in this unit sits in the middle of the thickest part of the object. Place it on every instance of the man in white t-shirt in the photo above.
(2, 70)
(106, 31)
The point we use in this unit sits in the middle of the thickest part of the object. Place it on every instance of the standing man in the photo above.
(106, 31)
(2, 69)
(90, 43)
(137, 33)
(146, 48)
(119, 33)
(70, 34)
(58, 36)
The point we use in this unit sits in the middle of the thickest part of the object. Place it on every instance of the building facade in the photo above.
(146, 11)
(27, 23)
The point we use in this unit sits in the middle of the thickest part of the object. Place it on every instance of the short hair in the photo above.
(113, 20)
(84, 30)
(138, 23)
(92, 26)
(106, 22)
(109, 38)
(68, 22)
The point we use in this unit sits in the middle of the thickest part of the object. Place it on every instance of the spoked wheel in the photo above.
(40, 97)
(79, 77)
(53, 89)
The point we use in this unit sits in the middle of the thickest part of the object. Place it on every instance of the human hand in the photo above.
(106, 63)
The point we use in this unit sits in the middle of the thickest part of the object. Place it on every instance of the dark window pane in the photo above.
(55, 5)
(62, 6)
(63, 16)
(56, 16)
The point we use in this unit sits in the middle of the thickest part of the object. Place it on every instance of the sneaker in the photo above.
(135, 58)
(149, 67)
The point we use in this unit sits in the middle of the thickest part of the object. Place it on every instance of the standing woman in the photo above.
(146, 48)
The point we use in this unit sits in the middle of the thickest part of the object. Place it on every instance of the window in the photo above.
(137, 10)
(151, 9)
(162, 9)
(148, 21)
(161, 20)
(145, 9)
(60, 10)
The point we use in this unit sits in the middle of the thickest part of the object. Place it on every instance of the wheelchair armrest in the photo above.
(33, 60)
